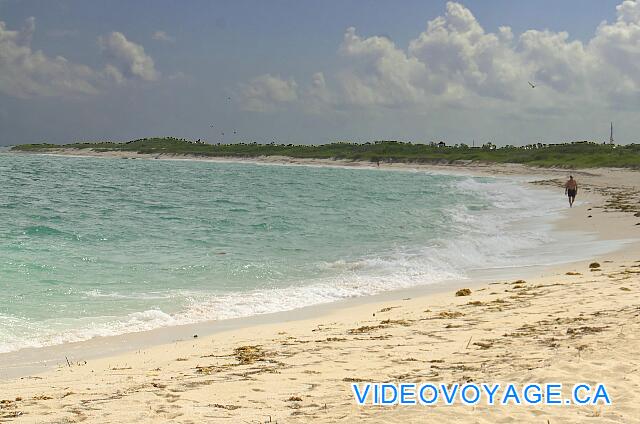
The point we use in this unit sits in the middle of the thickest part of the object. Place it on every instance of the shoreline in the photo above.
(524, 332)
(36, 359)
(533, 177)
(532, 174)
(41, 360)
(282, 342)
(466, 167)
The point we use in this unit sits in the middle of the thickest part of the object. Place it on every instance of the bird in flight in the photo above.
(532, 84)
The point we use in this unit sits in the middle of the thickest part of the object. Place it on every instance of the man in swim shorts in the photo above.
(571, 189)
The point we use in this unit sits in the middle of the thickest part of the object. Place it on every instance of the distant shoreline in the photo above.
(569, 155)
(467, 167)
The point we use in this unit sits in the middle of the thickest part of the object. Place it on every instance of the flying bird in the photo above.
(532, 84)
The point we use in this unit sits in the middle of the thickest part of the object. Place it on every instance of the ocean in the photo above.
(98, 247)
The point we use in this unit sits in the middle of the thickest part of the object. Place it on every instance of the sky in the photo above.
(311, 72)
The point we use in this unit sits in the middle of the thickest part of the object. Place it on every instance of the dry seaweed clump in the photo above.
(584, 330)
(594, 265)
(463, 292)
(447, 314)
(206, 370)
(364, 329)
(249, 354)
(402, 322)
(227, 407)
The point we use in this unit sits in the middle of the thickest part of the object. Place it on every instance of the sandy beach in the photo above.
(287, 212)
(566, 324)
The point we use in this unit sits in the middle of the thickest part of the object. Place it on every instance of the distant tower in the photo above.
(611, 136)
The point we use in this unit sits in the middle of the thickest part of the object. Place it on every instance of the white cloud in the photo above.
(454, 61)
(113, 74)
(461, 56)
(379, 72)
(25, 72)
(129, 57)
(556, 62)
(318, 88)
(616, 47)
(267, 92)
(163, 36)
(628, 12)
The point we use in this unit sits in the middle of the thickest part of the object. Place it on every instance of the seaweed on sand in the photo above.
(249, 354)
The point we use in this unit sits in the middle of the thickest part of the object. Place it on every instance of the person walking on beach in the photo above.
(571, 189)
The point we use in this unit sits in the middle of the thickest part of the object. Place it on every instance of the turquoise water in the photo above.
(105, 246)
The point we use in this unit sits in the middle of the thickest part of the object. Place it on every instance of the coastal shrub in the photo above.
(564, 155)
(594, 265)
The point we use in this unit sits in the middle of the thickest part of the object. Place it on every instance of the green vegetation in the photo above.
(569, 155)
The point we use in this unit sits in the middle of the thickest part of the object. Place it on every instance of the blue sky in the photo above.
(312, 72)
